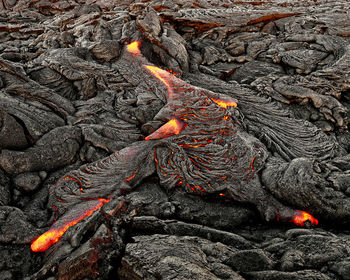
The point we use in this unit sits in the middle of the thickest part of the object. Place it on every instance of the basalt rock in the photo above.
(55, 149)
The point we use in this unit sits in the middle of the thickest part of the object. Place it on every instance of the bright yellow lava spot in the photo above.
(172, 127)
(133, 48)
(225, 103)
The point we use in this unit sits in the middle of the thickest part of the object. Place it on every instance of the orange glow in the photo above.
(133, 48)
(172, 127)
(252, 164)
(132, 176)
(162, 75)
(76, 180)
(47, 239)
(173, 72)
(73, 179)
(192, 146)
(225, 103)
(200, 188)
(302, 216)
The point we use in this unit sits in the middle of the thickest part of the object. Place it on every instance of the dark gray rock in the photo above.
(304, 60)
(12, 135)
(292, 260)
(15, 227)
(251, 260)
(27, 181)
(57, 148)
(252, 70)
(106, 50)
(5, 195)
(151, 257)
(342, 269)
(278, 275)
(218, 214)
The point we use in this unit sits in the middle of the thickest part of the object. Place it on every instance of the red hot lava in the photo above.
(47, 239)
(302, 217)
(224, 103)
(133, 48)
(172, 127)
(163, 76)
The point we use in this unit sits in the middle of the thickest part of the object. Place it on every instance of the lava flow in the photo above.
(301, 217)
(163, 76)
(172, 127)
(224, 103)
(47, 239)
(209, 155)
(133, 48)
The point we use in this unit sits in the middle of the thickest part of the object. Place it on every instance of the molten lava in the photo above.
(172, 127)
(47, 239)
(225, 103)
(162, 75)
(132, 176)
(302, 216)
(133, 48)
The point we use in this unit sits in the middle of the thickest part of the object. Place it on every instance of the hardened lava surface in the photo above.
(174, 139)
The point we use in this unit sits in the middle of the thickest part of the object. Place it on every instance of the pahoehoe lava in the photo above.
(221, 158)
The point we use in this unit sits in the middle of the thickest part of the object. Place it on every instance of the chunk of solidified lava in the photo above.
(202, 148)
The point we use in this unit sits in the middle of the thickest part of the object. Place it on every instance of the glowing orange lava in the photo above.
(132, 176)
(302, 216)
(162, 75)
(172, 127)
(225, 103)
(47, 239)
(133, 48)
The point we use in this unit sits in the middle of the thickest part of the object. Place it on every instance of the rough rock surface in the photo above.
(76, 108)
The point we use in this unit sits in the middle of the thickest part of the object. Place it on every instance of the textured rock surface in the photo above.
(70, 96)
